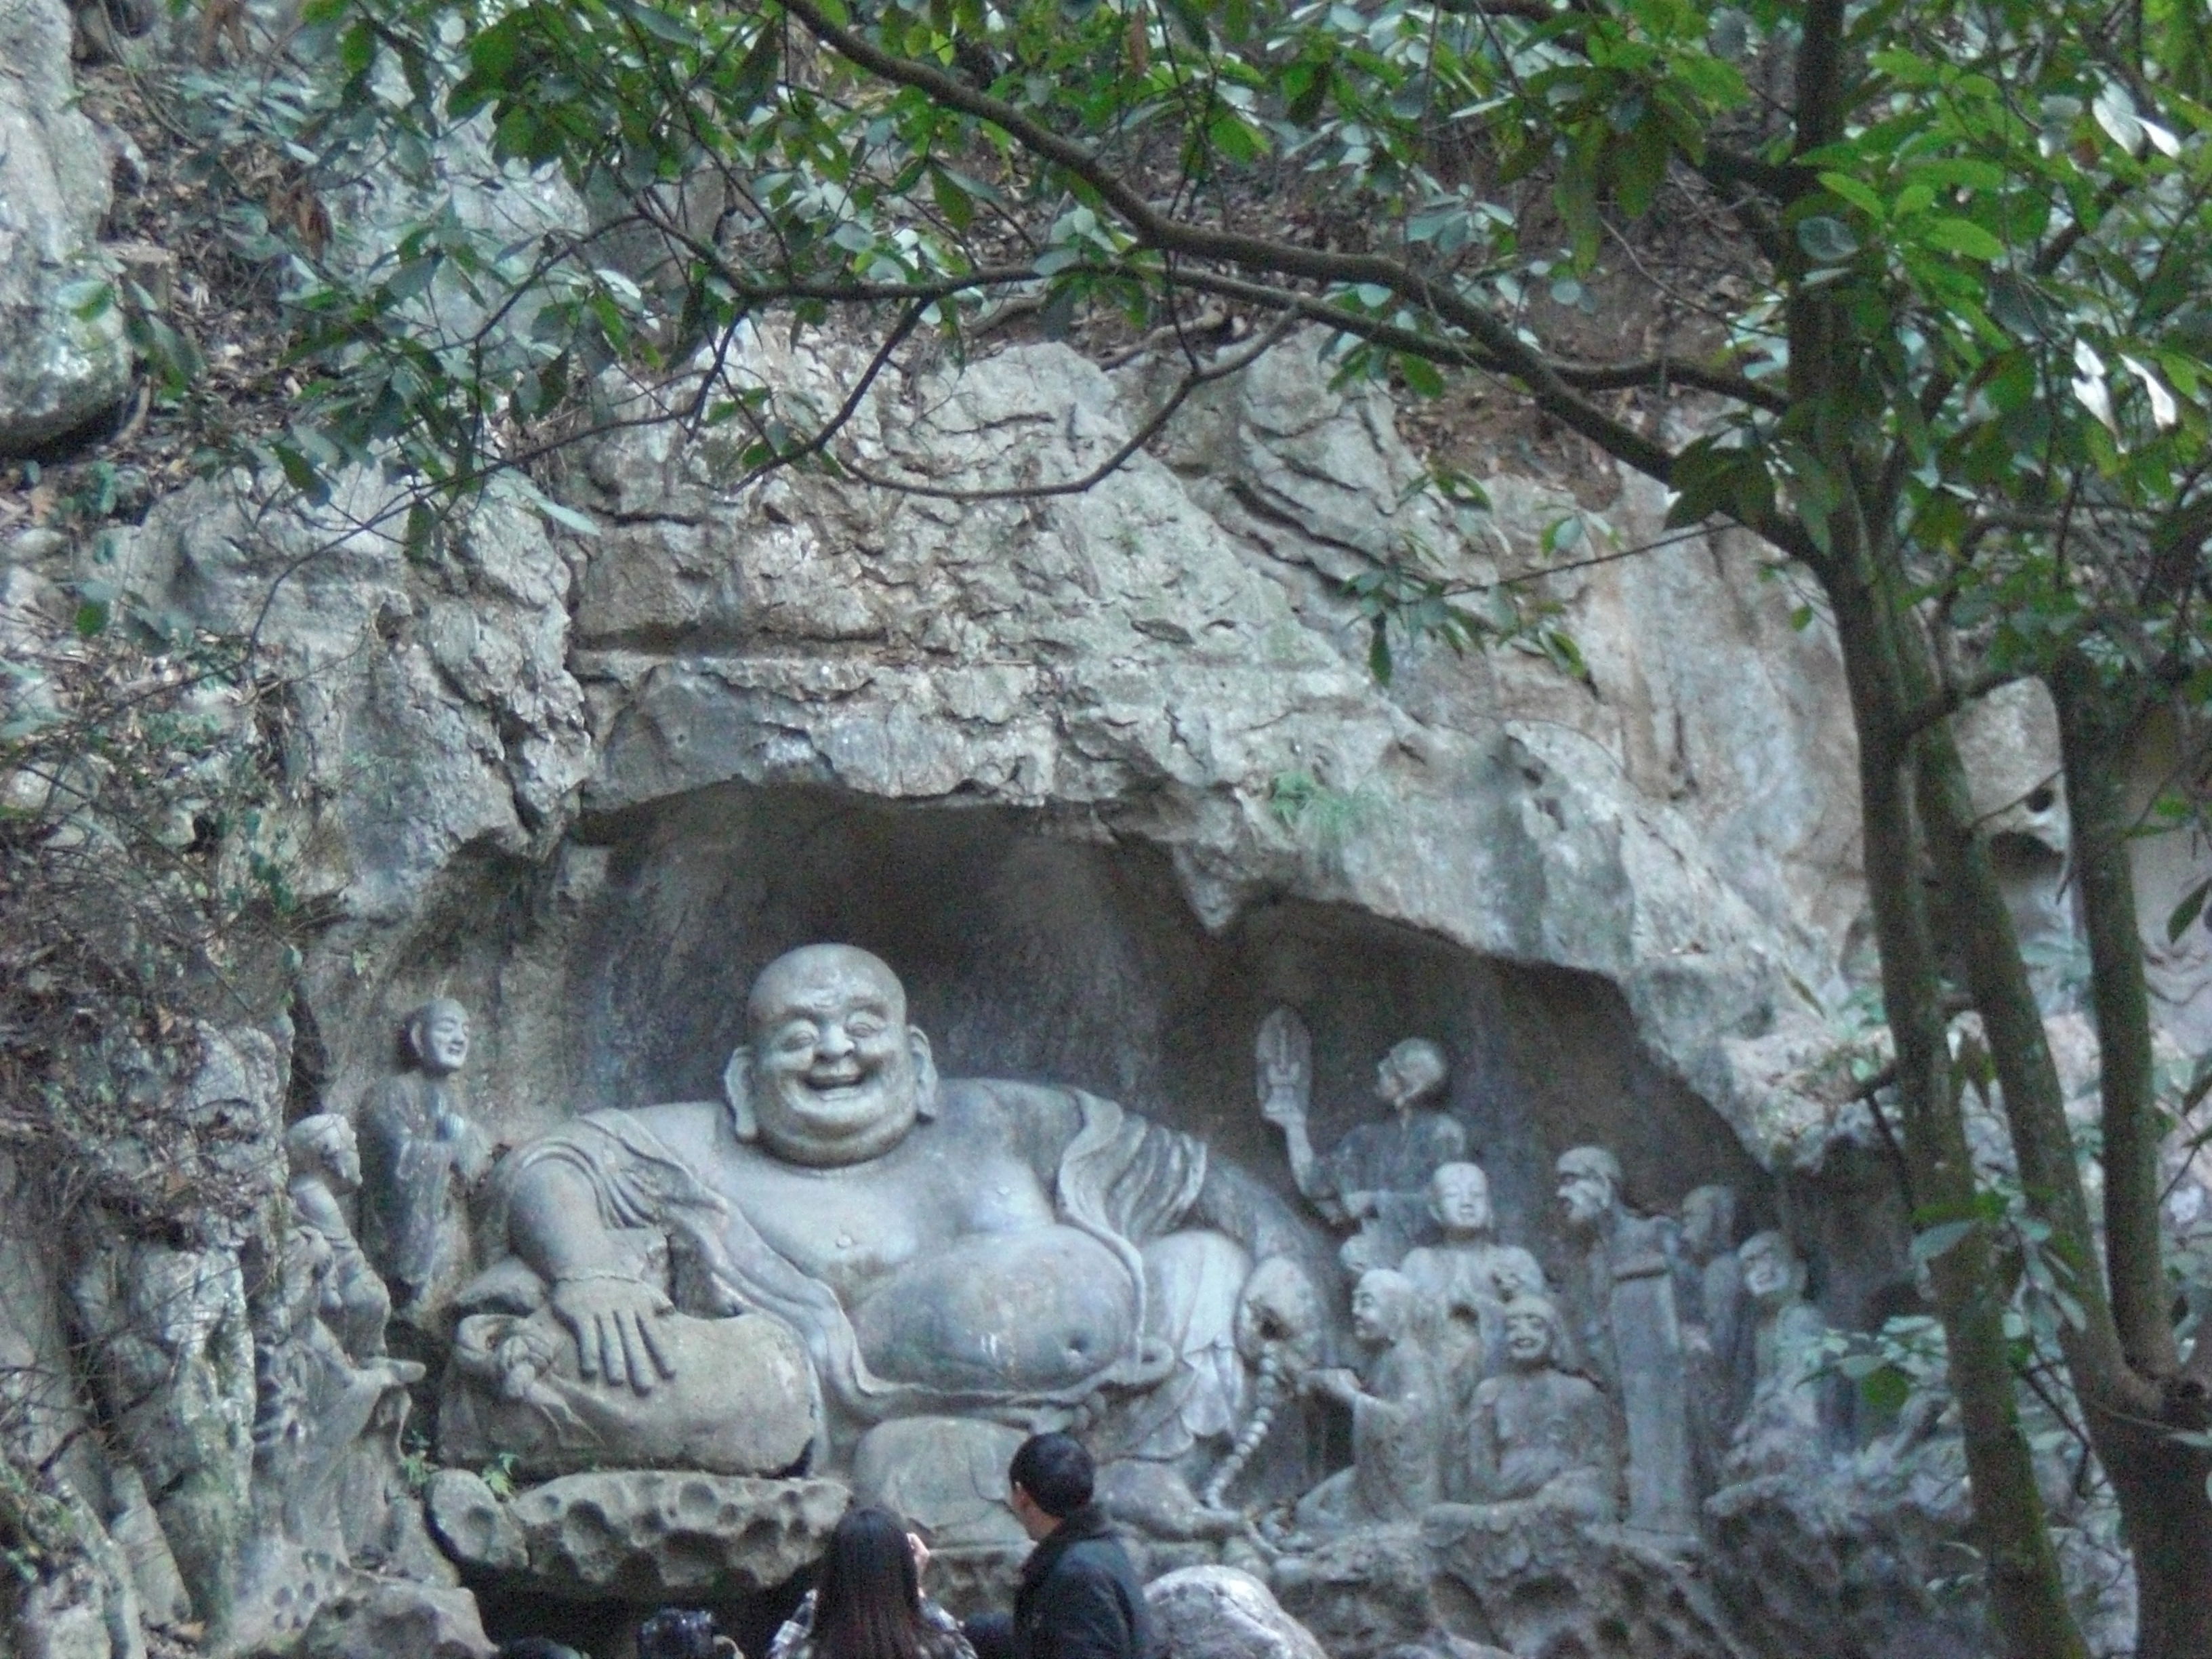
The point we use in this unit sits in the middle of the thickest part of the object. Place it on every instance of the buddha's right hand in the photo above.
(612, 1317)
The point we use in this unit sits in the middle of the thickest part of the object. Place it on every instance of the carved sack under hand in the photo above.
(743, 1400)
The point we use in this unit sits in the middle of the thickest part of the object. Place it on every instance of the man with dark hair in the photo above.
(1078, 1597)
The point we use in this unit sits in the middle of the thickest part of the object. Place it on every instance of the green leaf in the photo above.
(1421, 375)
(1963, 237)
(1827, 241)
(1939, 1240)
(1859, 195)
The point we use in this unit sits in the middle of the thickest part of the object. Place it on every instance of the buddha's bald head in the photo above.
(830, 1071)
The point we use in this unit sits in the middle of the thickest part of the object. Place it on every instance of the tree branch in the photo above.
(1513, 356)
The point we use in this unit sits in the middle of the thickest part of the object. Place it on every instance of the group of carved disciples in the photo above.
(947, 1263)
(1480, 1403)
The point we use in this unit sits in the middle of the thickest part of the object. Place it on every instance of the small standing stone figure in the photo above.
(326, 1165)
(1467, 1279)
(1397, 1415)
(1635, 1336)
(421, 1157)
(1716, 1332)
(1782, 1430)
(1376, 1178)
(1539, 1437)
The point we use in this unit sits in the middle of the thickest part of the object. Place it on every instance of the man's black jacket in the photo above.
(1080, 1598)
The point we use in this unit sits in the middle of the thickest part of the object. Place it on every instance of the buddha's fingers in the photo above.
(629, 1329)
(651, 1343)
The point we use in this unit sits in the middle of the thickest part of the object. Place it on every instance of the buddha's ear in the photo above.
(738, 1091)
(925, 1073)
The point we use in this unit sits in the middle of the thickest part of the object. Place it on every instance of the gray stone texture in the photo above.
(652, 1537)
(58, 370)
(1221, 1612)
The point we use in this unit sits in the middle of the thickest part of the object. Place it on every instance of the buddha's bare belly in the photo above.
(1010, 1312)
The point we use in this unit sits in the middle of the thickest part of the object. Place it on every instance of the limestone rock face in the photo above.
(58, 370)
(375, 1620)
(645, 1536)
(1220, 1613)
(472, 1525)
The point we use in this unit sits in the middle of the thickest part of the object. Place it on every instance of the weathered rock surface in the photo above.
(472, 1525)
(57, 369)
(1220, 1613)
(643, 1536)
(381, 1619)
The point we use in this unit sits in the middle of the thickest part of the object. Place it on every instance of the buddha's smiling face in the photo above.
(834, 1065)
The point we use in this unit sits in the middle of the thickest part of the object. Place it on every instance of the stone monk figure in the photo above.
(1375, 1179)
(988, 1253)
(420, 1156)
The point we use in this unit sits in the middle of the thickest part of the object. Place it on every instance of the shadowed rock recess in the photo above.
(812, 983)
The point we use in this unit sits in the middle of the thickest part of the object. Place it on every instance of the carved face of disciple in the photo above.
(1772, 1274)
(1708, 1222)
(438, 1034)
(1410, 1073)
(1382, 1305)
(831, 1073)
(1589, 1183)
(1459, 1197)
(324, 1145)
(1532, 1332)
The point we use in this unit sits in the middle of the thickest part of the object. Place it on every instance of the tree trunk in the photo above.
(2159, 1480)
(2027, 1601)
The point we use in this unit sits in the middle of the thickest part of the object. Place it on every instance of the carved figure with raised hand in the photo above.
(1634, 1334)
(1397, 1414)
(325, 1166)
(1538, 1437)
(1467, 1280)
(421, 1156)
(1375, 1179)
(955, 1257)
(1782, 1429)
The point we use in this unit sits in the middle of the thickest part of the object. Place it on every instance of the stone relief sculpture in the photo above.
(1375, 1180)
(951, 1261)
(1634, 1335)
(1781, 1429)
(1537, 1436)
(1716, 1332)
(324, 1162)
(1467, 1280)
(1398, 1414)
(420, 1156)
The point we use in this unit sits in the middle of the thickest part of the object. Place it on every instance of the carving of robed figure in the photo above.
(421, 1155)
(985, 1254)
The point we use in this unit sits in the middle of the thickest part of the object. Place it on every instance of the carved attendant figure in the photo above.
(1782, 1428)
(1637, 1335)
(420, 1156)
(1467, 1280)
(1376, 1177)
(1539, 1436)
(325, 1163)
(1397, 1414)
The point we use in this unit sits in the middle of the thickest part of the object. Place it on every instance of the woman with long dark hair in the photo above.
(867, 1602)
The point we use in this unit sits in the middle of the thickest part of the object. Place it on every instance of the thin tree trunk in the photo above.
(2027, 1601)
(2160, 1481)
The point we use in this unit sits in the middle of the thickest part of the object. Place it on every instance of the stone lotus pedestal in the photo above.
(638, 1535)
